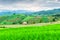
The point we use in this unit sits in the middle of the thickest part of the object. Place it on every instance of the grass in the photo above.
(49, 32)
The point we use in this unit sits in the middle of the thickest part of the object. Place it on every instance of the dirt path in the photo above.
(38, 24)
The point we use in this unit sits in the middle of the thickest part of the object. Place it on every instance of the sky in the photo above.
(32, 5)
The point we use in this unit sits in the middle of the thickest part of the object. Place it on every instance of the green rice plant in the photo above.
(49, 32)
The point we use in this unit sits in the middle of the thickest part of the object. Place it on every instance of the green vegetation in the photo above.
(49, 32)
(30, 17)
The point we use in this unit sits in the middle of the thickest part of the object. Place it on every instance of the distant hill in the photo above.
(20, 16)
(26, 12)
(10, 12)
(48, 12)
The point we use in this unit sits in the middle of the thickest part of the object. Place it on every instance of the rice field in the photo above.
(47, 32)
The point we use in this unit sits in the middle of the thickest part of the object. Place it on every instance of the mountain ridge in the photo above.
(27, 12)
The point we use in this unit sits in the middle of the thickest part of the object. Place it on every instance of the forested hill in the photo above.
(48, 12)
(28, 17)
(26, 12)
(11, 12)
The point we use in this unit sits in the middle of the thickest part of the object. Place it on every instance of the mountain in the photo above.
(48, 12)
(10, 12)
(29, 16)
(26, 12)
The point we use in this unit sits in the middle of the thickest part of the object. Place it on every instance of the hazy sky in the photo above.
(33, 5)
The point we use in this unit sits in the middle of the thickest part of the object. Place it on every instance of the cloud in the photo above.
(29, 4)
